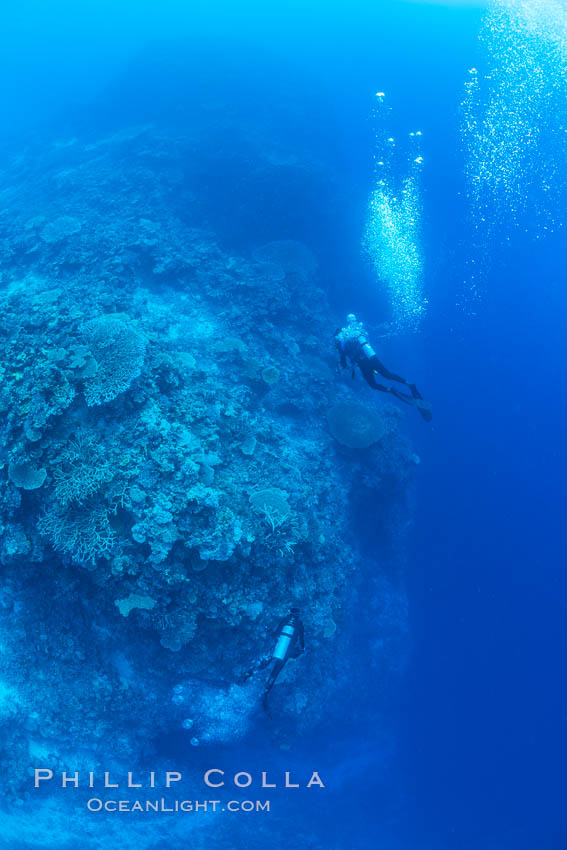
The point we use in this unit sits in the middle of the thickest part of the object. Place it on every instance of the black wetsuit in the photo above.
(354, 351)
(361, 354)
(290, 643)
(296, 646)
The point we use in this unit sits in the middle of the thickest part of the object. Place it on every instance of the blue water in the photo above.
(488, 588)
(466, 749)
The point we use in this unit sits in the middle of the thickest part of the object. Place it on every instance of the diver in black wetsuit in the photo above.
(290, 643)
(352, 345)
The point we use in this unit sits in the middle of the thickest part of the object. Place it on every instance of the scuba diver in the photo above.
(352, 345)
(290, 643)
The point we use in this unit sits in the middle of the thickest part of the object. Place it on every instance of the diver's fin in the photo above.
(424, 408)
(414, 391)
(415, 400)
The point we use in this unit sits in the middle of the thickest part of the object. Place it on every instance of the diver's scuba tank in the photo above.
(284, 640)
(366, 348)
(287, 638)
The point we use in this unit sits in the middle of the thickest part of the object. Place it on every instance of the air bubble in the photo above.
(514, 116)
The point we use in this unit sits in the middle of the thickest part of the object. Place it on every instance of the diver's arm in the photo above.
(376, 386)
(341, 353)
(340, 350)
(299, 643)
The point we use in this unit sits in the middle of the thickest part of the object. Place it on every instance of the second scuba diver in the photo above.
(352, 345)
(290, 643)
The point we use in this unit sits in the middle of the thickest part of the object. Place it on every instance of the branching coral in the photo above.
(272, 503)
(280, 522)
(84, 531)
(83, 470)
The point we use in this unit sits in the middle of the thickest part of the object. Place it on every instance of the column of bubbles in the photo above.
(514, 118)
(392, 238)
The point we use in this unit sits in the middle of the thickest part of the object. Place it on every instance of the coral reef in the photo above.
(171, 476)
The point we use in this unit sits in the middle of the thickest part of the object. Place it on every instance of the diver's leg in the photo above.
(414, 391)
(407, 399)
(423, 406)
(368, 375)
(276, 670)
(261, 664)
(415, 399)
(416, 396)
(379, 367)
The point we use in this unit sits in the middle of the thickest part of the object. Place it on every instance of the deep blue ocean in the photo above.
(465, 748)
